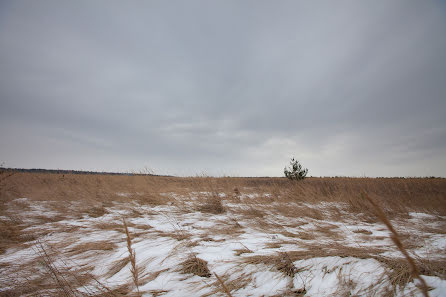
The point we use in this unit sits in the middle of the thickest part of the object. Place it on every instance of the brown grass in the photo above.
(117, 266)
(212, 204)
(418, 193)
(400, 271)
(195, 265)
(396, 240)
(292, 201)
(362, 231)
(225, 288)
(284, 264)
(245, 250)
(93, 246)
(65, 280)
(11, 233)
(132, 258)
(97, 211)
(176, 234)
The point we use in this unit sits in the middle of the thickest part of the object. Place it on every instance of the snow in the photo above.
(159, 253)
(123, 194)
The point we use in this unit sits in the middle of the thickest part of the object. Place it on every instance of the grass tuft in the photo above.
(212, 204)
(196, 266)
(284, 264)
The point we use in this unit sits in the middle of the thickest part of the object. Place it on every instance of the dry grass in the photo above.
(195, 265)
(399, 270)
(176, 234)
(328, 230)
(226, 230)
(297, 210)
(62, 280)
(396, 240)
(97, 211)
(153, 199)
(11, 233)
(362, 231)
(345, 286)
(284, 264)
(395, 194)
(245, 250)
(292, 202)
(212, 204)
(322, 250)
(117, 266)
(225, 288)
(132, 258)
(230, 282)
(92, 246)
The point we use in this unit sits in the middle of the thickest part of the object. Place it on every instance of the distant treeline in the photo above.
(62, 171)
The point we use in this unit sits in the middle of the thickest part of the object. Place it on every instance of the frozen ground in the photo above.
(255, 251)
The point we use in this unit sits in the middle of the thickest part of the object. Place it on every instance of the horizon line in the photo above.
(148, 173)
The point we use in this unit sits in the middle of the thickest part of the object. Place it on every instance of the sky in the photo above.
(350, 88)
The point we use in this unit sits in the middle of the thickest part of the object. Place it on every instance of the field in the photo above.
(104, 235)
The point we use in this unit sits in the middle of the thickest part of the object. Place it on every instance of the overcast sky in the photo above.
(353, 88)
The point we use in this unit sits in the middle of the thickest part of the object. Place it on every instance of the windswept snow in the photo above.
(164, 236)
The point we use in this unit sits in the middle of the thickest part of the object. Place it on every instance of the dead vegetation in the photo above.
(225, 288)
(11, 233)
(196, 266)
(244, 250)
(96, 211)
(212, 204)
(274, 206)
(395, 194)
(362, 231)
(227, 284)
(396, 239)
(64, 279)
(284, 264)
(93, 246)
(132, 258)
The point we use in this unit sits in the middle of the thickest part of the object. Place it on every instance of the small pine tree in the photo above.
(295, 170)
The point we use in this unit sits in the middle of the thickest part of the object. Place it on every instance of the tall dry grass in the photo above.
(396, 197)
(60, 278)
(225, 288)
(396, 240)
(132, 258)
(414, 193)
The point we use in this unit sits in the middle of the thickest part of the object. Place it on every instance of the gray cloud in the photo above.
(228, 87)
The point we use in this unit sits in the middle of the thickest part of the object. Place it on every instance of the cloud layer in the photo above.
(228, 87)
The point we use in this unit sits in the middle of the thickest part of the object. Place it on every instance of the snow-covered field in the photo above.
(255, 250)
